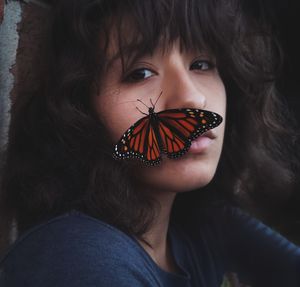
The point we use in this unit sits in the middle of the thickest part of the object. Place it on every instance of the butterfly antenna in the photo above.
(156, 99)
(141, 111)
(152, 103)
(142, 103)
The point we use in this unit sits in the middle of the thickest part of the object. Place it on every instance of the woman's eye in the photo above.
(139, 75)
(202, 65)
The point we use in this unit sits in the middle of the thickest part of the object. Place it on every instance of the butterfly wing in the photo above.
(139, 141)
(178, 127)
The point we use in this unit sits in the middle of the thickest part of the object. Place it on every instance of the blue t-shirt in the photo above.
(77, 250)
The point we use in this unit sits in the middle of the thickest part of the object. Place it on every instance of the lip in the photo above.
(210, 134)
(203, 142)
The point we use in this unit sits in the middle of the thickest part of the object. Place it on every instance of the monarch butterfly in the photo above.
(169, 131)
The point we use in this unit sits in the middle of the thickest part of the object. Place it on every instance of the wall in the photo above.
(23, 31)
(22, 45)
(10, 15)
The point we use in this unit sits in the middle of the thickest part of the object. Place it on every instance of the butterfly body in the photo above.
(167, 132)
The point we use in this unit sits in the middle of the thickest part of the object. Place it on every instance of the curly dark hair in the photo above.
(58, 156)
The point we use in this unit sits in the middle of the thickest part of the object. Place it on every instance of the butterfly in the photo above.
(169, 131)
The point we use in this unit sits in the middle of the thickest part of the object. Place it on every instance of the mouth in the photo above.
(210, 134)
(203, 142)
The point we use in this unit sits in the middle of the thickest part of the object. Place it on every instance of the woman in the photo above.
(86, 219)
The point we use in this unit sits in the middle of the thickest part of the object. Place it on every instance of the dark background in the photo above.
(288, 19)
(285, 19)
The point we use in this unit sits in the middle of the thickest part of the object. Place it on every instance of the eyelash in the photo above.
(210, 64)
(129, 78)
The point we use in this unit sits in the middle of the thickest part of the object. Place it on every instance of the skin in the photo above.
(188, 79)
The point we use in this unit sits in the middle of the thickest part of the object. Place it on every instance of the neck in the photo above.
(156, 236)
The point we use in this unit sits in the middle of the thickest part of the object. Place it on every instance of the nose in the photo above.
(180, 89)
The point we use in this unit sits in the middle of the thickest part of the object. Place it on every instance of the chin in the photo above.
(179, 175)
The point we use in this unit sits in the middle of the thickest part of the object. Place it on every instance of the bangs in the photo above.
(138, 27)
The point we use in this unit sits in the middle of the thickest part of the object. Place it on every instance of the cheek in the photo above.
(115, 116)
(218, 99)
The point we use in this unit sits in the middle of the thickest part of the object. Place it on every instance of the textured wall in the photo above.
(23, 43)
(1, 10)
(9, 39)
(23, 34)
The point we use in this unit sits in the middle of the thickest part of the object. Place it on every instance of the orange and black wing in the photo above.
(178, 127)
(139, 141)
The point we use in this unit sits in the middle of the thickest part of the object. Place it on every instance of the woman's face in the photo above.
(186, 80)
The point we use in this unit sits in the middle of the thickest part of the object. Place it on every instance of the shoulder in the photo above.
(259, 254)
(230, 230)
(74, 249)
(72, 230)
(238, 226)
